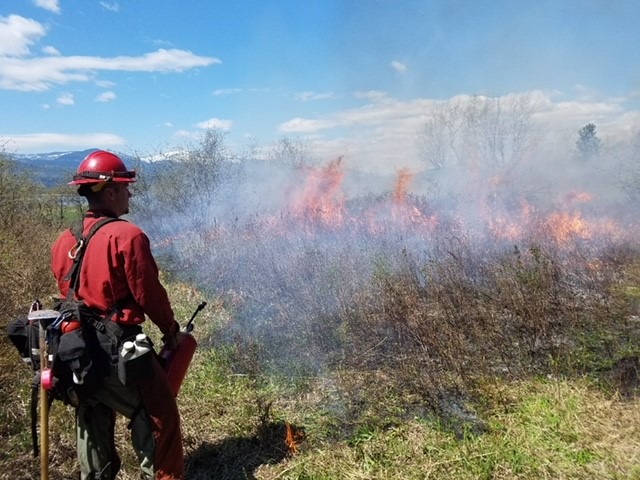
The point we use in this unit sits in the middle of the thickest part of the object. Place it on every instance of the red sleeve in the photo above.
(60, 261)
(142, 276)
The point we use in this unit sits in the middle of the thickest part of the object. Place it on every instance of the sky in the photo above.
(355, 78)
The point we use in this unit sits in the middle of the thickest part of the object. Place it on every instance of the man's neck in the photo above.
(95, 212)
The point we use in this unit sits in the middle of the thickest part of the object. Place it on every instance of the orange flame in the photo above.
(578, 197)
(293, 437)
(321, 197)
(402, 185)
(564, 226)
(506, 227)
(403, 212)
(317, 201)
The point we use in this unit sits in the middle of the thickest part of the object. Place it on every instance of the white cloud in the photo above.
(307, 96)
(380, 110)
(66, 99)
(184, 134)
(49, 50)
(195, 135)
(162, 60)
(105, 83)
(106, 97)
(111, 6)
(39, 74)
(17, 34)
(215, 123)
(233, 91)
(373, 95)
(51, 5)
(398, 66)
(307, 125)
(161, 43)
(226, 91)
(44, 142)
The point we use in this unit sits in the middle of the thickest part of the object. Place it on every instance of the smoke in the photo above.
(297, 251)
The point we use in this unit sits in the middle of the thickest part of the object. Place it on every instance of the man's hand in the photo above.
(172, 338)
(172, 342)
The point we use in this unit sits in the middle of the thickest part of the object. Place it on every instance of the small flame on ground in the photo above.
(293, 437)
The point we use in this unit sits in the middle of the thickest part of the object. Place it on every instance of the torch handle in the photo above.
(189, 326)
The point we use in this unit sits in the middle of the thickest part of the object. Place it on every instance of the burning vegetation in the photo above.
(419, 286)
(429, 291)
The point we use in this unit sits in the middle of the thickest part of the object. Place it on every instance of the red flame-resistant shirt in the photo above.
(118, 267)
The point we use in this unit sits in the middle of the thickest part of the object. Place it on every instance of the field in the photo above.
(386, 336)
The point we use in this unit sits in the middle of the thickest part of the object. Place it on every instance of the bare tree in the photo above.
(439, 141)
(500, 129)
(292, 151)
(187, 178)
(493, 133)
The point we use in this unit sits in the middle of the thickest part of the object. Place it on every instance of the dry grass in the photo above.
(546, 429)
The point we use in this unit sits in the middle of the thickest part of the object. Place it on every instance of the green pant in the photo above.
(95, 430)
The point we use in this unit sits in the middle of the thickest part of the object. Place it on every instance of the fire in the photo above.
(505, 228)
(320, 197)
(403, 211)
(510, 227)
(402, 185)
(318, 203)
(293, 437)
(578, 197)
(321, 202)
(565, 226)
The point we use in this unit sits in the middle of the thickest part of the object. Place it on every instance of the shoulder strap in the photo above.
(77, 253)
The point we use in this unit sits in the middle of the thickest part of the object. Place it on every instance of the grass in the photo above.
(354, 425)
(374, 419)
(547, 429)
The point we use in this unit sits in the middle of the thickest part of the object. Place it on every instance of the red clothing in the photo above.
(119, 269)
(118, 265)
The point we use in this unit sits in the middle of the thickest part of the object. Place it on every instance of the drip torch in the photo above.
(176, 361)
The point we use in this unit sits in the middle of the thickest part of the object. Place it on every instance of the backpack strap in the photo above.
(78, 251)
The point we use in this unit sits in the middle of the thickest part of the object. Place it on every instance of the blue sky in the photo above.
(354, 77)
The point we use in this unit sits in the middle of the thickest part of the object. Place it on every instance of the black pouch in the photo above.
(79, 366)
(23, 334)
(73, 351)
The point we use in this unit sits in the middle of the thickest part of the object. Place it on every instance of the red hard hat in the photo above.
(102, 166)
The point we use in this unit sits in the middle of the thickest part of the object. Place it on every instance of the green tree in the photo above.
(588, 144)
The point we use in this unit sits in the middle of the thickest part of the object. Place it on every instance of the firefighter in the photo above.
(119, 274)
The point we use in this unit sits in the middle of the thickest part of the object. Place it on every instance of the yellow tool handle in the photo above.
(44, 412)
